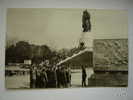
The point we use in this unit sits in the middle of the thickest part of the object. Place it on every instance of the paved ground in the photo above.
(77, 77)
(23, 81)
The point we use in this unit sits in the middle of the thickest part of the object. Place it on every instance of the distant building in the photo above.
(27, 62)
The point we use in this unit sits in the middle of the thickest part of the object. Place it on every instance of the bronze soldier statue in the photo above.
(86, 24)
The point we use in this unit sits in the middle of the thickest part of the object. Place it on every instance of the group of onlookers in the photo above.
(50, 76)
(63, 76)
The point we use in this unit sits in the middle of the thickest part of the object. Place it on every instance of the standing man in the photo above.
(68, 76)
(84, 75)
(63, 77)
(44, 78)
(58, 74)
(33, 76)
(69, 73)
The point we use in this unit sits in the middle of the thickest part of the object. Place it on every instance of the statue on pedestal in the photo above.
(86, 24)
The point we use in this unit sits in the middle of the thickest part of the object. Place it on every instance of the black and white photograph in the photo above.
(66, 48)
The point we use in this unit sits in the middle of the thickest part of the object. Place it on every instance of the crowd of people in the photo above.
(42, 76)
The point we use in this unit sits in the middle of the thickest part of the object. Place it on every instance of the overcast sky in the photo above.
(62, 28)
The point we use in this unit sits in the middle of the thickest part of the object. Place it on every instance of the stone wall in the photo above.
(110, 52)
(110, 63)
